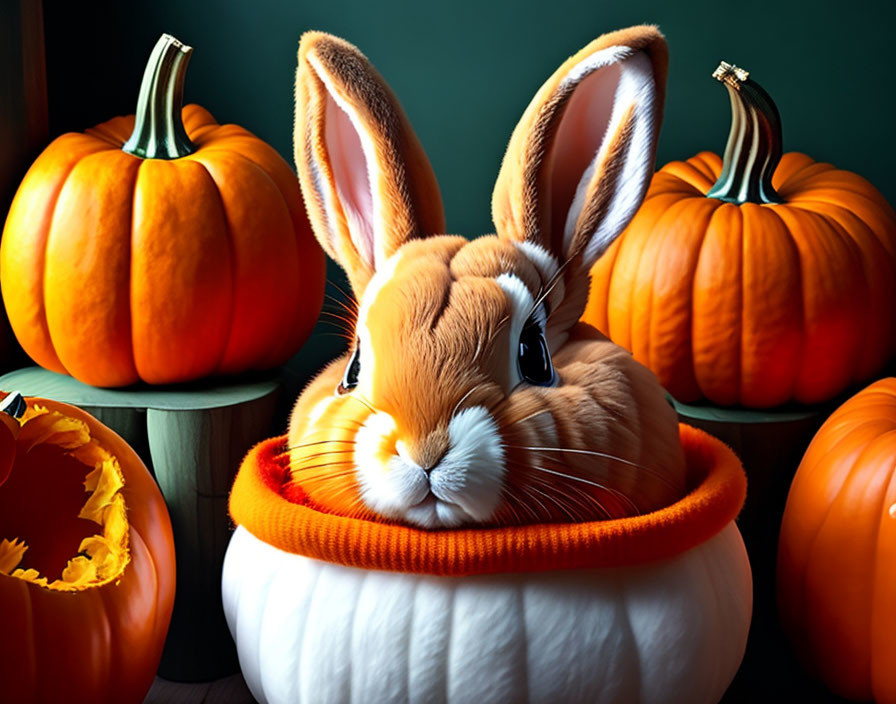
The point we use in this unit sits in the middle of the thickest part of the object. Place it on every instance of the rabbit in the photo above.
(471, 395)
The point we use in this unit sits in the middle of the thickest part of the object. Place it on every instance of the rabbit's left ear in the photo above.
(367, 183)
(580, 159)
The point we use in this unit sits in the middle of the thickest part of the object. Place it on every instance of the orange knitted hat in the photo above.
(717, 488)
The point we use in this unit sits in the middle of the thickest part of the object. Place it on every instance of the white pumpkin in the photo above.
(309, 631)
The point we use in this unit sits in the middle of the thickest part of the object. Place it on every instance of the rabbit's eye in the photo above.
(535, 357)
(350, 378)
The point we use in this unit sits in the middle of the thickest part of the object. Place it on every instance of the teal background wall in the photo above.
(465, 71)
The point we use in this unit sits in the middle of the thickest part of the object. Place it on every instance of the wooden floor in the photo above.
(230, 690)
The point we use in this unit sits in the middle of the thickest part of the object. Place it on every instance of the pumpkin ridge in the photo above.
(702, 163)
(874, 541)
(66, 238)
(818, 533)
(881, 440)
(803, 175)
(815, 227)
(798, 260)
(849, 237)
(43, 269)
(805, 203)
(791, 164)
(275, 352)
(720, 211)
(741, 353)
(880, 348)
(688, 174)
(228, 235)
(695, 249)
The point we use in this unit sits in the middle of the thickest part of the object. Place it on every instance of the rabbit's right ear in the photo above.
(580, 159)
(367, 183)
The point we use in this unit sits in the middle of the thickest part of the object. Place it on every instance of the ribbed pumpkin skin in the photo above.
(752, 304)
(115, 268)
(311, 631)
(837, 550)
(101, 645)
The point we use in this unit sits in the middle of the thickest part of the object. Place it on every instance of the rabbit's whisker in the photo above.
(508, 503)
(591, 453)
(364, 403)
(533, 494)
(589, 482)
(558, 503)
(349, 338)
(498, 328)
(555, 279)
(574, 494)
(554, 494)
(327, 478)
(348, 295)
(530, 416)
(464, 398)
(325, 428)
(338, 321)
(305, 458)
(337, 315)
(319, 442)
(353, 311)
(333, 429)
(319, 466)
(525, 504)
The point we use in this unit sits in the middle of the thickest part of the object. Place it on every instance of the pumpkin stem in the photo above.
(159, 128)
(754, 143)
(13, 405)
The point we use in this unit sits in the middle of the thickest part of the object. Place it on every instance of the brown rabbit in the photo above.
(471, 394)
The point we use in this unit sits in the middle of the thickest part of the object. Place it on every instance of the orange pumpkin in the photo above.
(837, 549)
(749, 281)
(86, 560)
(179, 252)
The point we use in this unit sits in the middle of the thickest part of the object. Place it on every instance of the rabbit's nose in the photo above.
(428, 451)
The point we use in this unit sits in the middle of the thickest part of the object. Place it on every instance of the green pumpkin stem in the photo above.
(159, 128)
(754, 143)
(13, 405)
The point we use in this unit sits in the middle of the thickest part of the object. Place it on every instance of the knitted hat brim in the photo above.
(717, 489)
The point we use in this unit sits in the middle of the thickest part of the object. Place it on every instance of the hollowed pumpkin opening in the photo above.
(63, 522)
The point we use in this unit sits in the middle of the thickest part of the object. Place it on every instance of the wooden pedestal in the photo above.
(770, 444)
(192, 438)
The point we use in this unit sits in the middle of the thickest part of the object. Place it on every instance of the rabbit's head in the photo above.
(471, 394)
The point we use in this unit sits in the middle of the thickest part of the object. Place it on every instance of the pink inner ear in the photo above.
(350, 171)
(580, 134)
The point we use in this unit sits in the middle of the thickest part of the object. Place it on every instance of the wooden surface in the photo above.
(192, 437)
(229, 690)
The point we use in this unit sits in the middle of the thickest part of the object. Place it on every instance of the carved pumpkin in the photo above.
(837, 549)
(86, 560)
(179, 252)
(749, 281)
